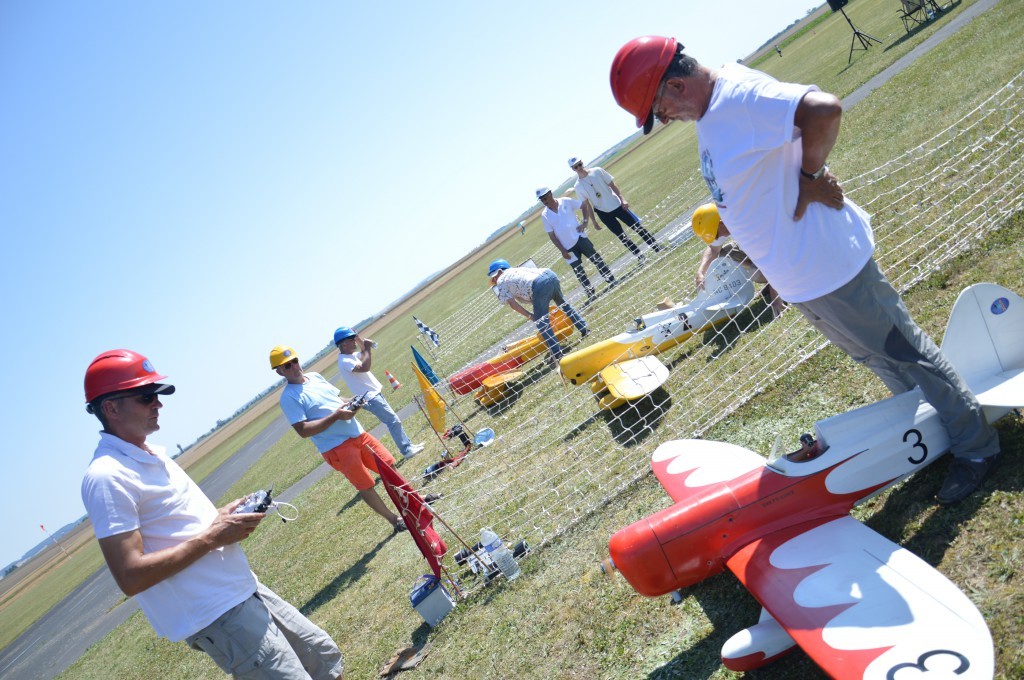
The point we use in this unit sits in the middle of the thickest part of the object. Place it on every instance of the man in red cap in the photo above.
(763, 146)
(170, 548)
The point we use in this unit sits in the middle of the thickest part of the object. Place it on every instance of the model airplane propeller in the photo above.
(858, 604)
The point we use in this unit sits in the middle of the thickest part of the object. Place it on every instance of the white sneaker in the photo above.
(413, 450)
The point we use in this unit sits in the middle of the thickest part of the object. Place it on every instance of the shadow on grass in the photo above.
(757, 315)
(632, 423)
(342, 580)
(352, 502)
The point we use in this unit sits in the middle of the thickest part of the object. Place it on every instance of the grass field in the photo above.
(562, 620)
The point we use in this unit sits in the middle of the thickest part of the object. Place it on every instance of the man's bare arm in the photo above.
(135, 570)
(818, 116)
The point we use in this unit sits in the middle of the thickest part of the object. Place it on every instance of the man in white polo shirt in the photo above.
(170, 548)
(568, 235)
(603, 196)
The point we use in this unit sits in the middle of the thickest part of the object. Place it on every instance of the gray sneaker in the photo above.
(413, 450)
(964, 478)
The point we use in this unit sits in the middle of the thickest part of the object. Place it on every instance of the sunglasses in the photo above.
(289, 364)
(144, 399)
(577, 166)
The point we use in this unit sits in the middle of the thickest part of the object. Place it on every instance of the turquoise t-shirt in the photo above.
(315, 399)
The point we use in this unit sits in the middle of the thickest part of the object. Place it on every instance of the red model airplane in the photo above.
(858, 604)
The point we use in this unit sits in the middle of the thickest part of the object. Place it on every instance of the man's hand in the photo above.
(228, 528)
(826, 190)
(700, 281)
(566, 254)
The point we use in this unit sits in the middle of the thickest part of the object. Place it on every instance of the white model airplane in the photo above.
(622, 368)
(859, 605)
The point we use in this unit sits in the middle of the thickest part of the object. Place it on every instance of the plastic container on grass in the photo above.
(501, 555)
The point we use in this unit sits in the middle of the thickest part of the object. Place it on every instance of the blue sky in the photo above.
(197, 182)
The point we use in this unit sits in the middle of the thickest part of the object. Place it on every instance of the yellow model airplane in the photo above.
(623, 368)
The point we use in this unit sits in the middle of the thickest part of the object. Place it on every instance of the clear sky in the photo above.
(198, 181)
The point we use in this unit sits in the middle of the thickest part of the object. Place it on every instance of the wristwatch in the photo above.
(814, 175)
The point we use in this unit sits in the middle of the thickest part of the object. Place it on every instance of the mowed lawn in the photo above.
(563, 619)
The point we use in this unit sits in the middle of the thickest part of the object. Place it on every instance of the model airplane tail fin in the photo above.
(985, 341)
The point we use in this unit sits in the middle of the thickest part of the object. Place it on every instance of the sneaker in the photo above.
(585, 332)
(399, 527)
(413, 450)
(613, 282)
(591, 296)
(431, 497)
(656, 248)
(964, 478)
(641, 259)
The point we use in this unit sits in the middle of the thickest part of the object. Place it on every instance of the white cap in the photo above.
(540, 192)
(573, 161)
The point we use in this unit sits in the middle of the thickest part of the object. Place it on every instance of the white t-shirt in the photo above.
(314, 399)
(596, 187)
(750, 154)
(127, 488)
(563, 224)
(358, 383)
(517, 283)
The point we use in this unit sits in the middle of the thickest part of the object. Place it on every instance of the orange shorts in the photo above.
(353, 459)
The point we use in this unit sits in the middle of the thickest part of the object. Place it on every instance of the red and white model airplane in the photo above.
(859, 605)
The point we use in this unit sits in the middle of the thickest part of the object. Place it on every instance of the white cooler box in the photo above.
(430, 599)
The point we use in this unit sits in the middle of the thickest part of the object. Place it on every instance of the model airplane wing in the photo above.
(634, 378)
(862, 606)
(686, 465)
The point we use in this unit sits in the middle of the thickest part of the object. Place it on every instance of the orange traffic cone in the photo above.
(394, 381)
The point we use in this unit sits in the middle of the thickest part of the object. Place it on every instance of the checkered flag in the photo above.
(428, 331)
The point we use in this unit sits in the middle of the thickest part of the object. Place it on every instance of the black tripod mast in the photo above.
(864, 38)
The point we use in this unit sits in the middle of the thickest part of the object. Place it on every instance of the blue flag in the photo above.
(424, 367)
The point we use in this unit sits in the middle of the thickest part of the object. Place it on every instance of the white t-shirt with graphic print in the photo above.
(750, 153)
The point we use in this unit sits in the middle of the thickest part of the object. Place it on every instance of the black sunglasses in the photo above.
(144, 399)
